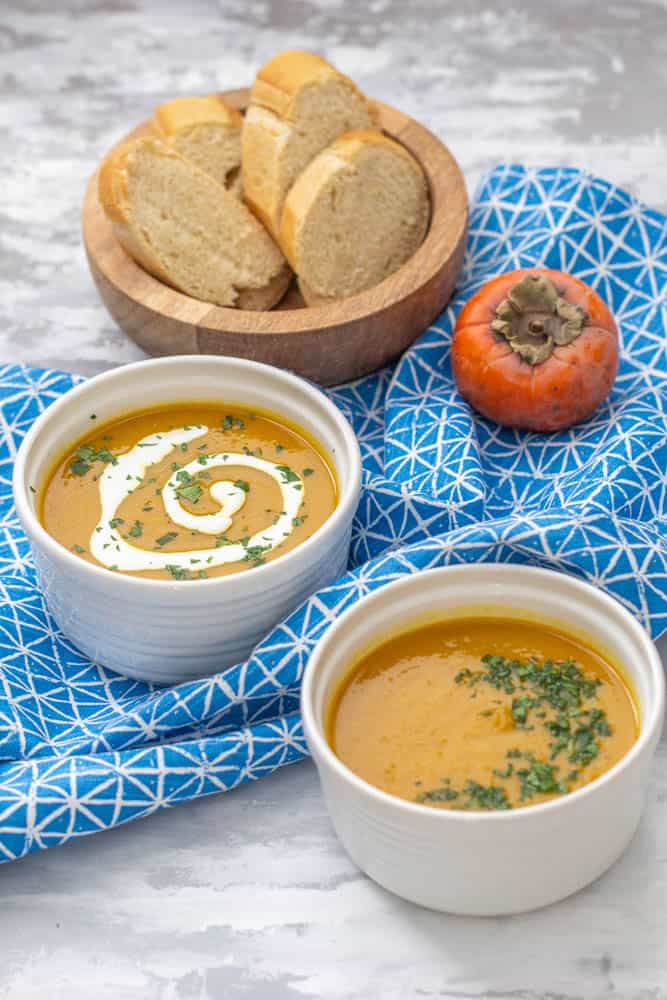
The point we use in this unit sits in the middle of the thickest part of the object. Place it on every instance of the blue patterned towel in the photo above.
(82, 749)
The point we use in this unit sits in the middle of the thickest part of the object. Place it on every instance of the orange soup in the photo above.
(481, 713)
(188, 491)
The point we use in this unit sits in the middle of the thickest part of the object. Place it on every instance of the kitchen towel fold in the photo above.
(82, 749)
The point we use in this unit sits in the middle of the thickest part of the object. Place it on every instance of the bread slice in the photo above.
(206, 131)
(356, 213)
(186, 230)
(298, 104)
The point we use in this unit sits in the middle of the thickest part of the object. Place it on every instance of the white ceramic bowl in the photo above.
(165, 630)
(475, 862)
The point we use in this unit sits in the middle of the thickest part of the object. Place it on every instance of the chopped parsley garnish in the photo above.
(557, 685)
(552, 696)
(298, 521)
(191, 492)
(288, 476)
(188, 487)
(506, 773)
(86, 455)
(228, 422)
(79, 549)
(115, 521)
(539, 778)
(165, 539)
(177, 572)
(241, 484)
(520, 708)
(484, 797)
(137, 529)
(254, 553)
(444, 794)
(308, 472)
(473, 796)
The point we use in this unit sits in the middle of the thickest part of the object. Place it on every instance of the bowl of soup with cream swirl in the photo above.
(178, 508)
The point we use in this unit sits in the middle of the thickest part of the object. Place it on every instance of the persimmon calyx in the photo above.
(534, 319)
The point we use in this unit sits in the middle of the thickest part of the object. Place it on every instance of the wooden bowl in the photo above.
(328, 344)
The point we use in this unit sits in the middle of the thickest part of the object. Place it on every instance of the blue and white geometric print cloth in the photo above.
(82, 749)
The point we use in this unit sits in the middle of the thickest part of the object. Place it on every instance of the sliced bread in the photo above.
(186, 230)
(298, 104)
(207, 131)
(356, 213)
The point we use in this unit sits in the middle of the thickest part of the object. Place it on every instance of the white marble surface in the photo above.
(248, 894)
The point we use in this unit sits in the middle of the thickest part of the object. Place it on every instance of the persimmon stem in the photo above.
(534, 319)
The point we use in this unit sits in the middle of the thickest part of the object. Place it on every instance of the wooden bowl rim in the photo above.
(449, 203)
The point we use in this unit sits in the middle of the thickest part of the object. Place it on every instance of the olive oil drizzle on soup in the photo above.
(188, 491)
(483, 714)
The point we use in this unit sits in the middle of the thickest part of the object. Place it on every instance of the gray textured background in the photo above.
(248, 895)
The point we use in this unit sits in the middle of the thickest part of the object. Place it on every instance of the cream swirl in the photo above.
(120, 480)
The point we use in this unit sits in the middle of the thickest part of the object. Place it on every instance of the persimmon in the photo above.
(535, 349)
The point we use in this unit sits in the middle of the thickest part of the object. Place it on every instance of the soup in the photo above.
(481, 713)
(187, 492)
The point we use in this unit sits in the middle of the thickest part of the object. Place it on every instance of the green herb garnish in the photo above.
(86, 455)
(188, 487)
(288, 476)
(444, 794)
(177, 572)
(168, 537)
(539, 779)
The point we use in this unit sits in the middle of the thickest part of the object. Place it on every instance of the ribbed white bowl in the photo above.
(474, 862)
(167, 630)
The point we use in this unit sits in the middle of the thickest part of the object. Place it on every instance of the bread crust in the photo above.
(279, 81)
(271, 121)
(113, 191)
(183, 113)
(113, 195)
(308, 187)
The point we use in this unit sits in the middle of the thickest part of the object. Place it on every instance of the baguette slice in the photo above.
(356, 213)
(186, 230)
(206, 131)
(298, 104)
